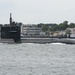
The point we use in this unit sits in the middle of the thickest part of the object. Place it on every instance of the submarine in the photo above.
(11, 31)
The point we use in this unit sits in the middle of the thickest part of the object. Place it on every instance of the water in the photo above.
(37, 59)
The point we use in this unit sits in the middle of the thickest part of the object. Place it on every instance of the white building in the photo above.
(30, 30)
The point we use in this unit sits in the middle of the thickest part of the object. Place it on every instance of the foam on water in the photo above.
(59, 43)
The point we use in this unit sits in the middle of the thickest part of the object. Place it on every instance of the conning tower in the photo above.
(11, 31)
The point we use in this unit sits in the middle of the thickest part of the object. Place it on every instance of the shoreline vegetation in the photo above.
(49, 26)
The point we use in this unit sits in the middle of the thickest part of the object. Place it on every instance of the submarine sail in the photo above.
(11, 31)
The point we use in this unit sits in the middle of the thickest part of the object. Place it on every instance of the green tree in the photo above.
(63, 26)
(45, 28)
(40, 25)
(54, 28)
(65, 23)
(71, 25)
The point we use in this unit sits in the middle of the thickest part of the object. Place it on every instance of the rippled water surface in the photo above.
(37, 59)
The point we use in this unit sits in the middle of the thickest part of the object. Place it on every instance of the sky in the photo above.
(37, 11)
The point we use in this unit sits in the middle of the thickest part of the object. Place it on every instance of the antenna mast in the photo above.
(10, 19)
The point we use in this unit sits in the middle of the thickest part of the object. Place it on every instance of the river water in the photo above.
(37, 59)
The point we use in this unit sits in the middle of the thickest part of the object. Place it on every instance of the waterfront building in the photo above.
(31, 30)
(72, 32)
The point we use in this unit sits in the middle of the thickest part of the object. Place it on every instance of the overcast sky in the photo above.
(37, 11)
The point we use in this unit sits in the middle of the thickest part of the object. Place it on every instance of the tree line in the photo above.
(51, 27)
(56, 27)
